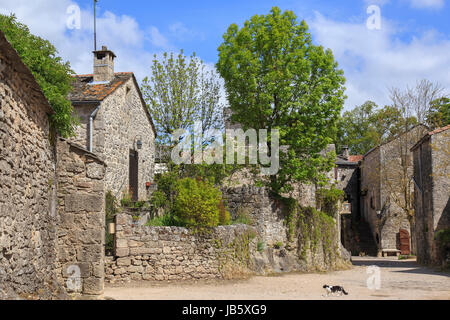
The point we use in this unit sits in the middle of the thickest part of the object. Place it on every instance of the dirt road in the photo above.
(399, 279)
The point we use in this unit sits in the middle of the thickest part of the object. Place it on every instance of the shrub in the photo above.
(111, 209)
(260, 246)
(166, 220)
(224, 215)
(328, 200)
(243, 217)
(197, 203)
(51, 72)
(127, 200)
(159, 199)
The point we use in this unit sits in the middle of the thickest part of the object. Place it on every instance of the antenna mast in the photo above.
(95, 26)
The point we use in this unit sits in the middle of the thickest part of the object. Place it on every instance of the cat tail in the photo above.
(344, 292)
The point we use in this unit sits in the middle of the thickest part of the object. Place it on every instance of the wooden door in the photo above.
(405, 247)
(133, 169)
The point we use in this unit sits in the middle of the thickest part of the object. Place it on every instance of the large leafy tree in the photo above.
(276, 78)
(180, 91)
(367, 126)
(51, 72)
(439, 113)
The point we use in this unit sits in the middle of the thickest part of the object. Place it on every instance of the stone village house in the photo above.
(386, 173)
(432, 194)
(116, 125)
(51, 196)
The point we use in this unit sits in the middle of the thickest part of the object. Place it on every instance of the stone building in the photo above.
(51, 197)
(386, 192)
(432, 195)
(115, 124)
(347, 178)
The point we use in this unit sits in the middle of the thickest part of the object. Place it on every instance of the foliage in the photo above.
(127, 200)
(328, 200)
(278, 245)
(159, 199)
(51, 73)
(276, 78)
(367, 126)
(224, 215)
(443, 237)
(197, 203)
(111, 209)
(165, 220)
(243, 217)
(179, 92)
(439, 113)
(260, 246)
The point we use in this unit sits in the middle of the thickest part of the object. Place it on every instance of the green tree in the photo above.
(439, 113)
(179, 92)
(276, 78)
(51, 72)
(367, 126)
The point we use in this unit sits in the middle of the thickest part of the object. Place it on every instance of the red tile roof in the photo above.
(83, 90)
(355, 158)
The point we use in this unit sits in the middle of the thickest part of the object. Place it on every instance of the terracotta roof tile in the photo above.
(83, 90)
(355, 158)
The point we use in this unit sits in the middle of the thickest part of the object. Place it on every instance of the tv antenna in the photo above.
(95, 26)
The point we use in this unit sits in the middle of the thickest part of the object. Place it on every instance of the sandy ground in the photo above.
(399, 279)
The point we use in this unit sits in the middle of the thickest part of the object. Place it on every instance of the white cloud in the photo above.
(433, 4)
(375, 60)
(120, 33)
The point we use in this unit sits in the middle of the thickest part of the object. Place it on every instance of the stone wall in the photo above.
(174, 253)
(284, 248)
(27, 225)
(81, 220)
(51, 195)
(432, 194)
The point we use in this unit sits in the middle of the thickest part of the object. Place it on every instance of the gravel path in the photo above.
(399, 279)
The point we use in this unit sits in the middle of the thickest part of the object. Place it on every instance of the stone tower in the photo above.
(103, 65)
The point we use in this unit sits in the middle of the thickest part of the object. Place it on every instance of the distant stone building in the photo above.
(386, 192)
(347, 177)
(432, 195)
(116, 125)
(51, 197)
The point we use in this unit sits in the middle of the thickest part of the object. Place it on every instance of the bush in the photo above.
(51, 72)
(224, 215)
(328, 200)
(159, 199)
(243, 217)
(166, 220)
(197, 203)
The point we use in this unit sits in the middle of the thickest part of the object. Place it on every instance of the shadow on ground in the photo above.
(407, 266)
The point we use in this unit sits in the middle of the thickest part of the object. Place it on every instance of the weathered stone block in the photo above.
(83, 202)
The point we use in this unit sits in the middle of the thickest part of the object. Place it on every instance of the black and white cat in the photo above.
(334, 290)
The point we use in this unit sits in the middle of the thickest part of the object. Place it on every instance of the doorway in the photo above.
(133, 177)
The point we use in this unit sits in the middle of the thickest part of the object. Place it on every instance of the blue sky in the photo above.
(413, 42)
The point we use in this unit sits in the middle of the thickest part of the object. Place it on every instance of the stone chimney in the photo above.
(103, 65)
(345, 153)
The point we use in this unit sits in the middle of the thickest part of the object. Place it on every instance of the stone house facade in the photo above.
(386, 173)
(432, 195)
(115, 124)
(40, 176)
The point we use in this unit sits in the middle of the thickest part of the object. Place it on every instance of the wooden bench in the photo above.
(385, 252)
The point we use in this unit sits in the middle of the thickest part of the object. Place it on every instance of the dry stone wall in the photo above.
(27, 225)
(81, 214)
(174, 253)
